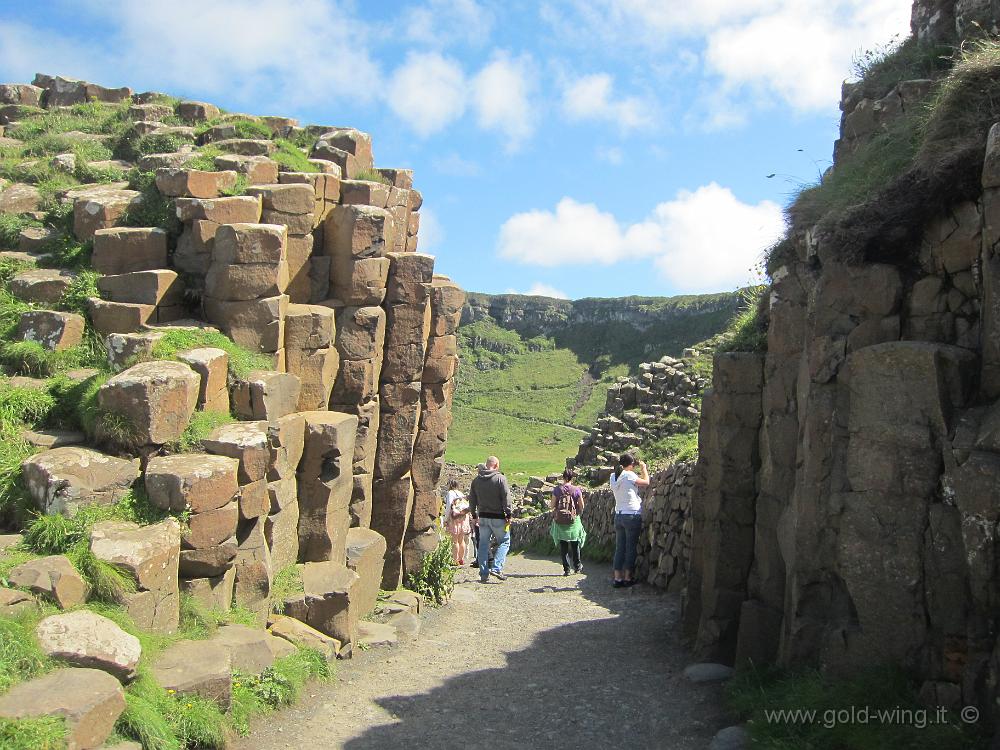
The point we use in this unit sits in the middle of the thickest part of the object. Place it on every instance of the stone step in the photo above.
(53, 329)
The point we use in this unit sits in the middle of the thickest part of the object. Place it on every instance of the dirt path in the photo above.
(537, 661)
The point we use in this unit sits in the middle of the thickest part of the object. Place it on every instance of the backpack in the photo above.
(566, 505)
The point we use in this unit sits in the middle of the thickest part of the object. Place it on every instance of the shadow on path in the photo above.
(604, 682)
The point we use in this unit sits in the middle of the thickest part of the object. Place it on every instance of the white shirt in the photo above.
(449, 498)
(627, 498)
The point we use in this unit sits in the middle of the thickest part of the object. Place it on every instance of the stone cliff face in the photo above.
(534, 316)
(846, 496)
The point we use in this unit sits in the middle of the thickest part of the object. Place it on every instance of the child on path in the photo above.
(457, 521)
(567, 528)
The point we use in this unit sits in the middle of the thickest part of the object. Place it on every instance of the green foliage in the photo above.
(205, 160)
(241, 361)
(107, 582)
(747, 332)
(199, 622)
(755, 693)
(436, 578)
(20, 656)
(287, 583)
(65, 251)
(682, 446)
(43, 733)
(166, 721)
(153, 208)
(278, 685)
(879, 69)
(291, 158)
(31, 358)
(372, 175)
(134, 146)
(303, 139)
(76, 401)
(202, 423)
(84, 286)
(239, 187)
(21, 406)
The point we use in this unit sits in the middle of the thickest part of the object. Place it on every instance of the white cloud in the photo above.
(501, 94)
(539, 289)
(440, 22)
(454, 165)
(612, 155)
(702, 240)
(431, 230)
(592, 97)
(428, 91)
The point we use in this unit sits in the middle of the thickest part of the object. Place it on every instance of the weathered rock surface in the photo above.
(63, 480)
(86, 639)
(53, 577)
(156, 399)
(196, 668)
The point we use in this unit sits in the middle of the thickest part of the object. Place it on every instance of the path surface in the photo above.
(534, 662)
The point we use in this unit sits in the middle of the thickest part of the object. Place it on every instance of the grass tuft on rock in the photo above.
(278, 685)
(287, 583)
(201, 425)
(747, 332)
(291, 157)
(20, 656)
(436, 578)
(241, 361)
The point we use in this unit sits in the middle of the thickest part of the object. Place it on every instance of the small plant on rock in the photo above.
(436, 578)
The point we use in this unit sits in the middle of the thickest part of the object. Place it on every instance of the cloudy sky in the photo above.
(566, 147)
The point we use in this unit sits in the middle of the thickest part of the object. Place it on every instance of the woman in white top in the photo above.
(625, 483)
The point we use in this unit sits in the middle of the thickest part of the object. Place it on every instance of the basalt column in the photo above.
(408, 323)
(437, 390)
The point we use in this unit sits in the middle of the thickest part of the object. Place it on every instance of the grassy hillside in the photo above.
(531, 400)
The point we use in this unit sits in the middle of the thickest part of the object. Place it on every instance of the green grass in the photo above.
(372, 175)
(201, 424)
(46, 733)
(278, 685)
(287, 583)
(672, 448)
(754, 693)
(154, 209)
(291, 158)
(241, 361)
(205, 160)
(747, 331)
(10, 229)
(20, 656)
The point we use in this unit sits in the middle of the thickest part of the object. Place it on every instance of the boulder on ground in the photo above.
(330, 598)
(19, 199)
(86, 639)
(198, 482)
(44, 285)
(377, 634)
(53, 577)
(13, 602)
(88, 700)
(300, 634)
(63, 480)
(197, 111)
(196, 668)
(157, 400)
(52, 329)
(248, 648)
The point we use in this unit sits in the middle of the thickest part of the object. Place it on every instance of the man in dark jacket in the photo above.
(489, 501)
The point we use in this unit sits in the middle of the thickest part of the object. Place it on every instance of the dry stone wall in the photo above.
(319, 272)
(665, 544)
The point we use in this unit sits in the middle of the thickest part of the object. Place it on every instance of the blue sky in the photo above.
(570, 147)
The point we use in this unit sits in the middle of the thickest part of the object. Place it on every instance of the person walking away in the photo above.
(625, 484)
(567, 528)
(458, 522)
(489, 501)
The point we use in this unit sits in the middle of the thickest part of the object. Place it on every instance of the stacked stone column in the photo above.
(293, 205)
(201, 218)
(245, 285)
(408, 323)
(437, 390)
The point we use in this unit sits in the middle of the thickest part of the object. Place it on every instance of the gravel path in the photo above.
(537, 661)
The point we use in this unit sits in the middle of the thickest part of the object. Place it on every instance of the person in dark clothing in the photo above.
(489, 501)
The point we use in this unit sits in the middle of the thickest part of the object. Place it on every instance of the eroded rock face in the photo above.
(89, 700)
(198, 482)
(63, 480)
(156, 399)
(198, 668)
(86, 639)
(53, 577)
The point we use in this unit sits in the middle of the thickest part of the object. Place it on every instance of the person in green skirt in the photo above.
(567, 528)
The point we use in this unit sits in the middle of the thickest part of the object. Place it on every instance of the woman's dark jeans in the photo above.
(570, 552)
(627, 529)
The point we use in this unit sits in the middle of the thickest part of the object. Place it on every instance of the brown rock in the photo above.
(120, 317)
(41, 284)
(63, 480)
(259, 170)
(392, 503)
(237, 209)
(101, 208)
(193, 183)
(250, 244)
(324, 476)
(403, 363)
(196, 668)
(55, 331)
(14, 602)
(291, 198)
(211, 528)
(257, 325)
(331, 591)
(300, 634)
(365, 193)
(360, 333)
(53, 577)
(245, 282)
(365, 556)
(364, 284)
(281, 528)
(19, 199)
(156, 398)
(215, 592)
(88, 700)
(407, 323)
(266, 395)
(212, 366)
(245, 441)
(286, 439)
(309, 327)
(254, 500)
(208, 562)
(156, 287)
(247, 647)
(246, 146)
(317, 371)
(191, 481)
(197, 111)
(357, 381)
(128, 249)
(86, 639)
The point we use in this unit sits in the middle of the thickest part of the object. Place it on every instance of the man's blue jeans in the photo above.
(492, 527)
